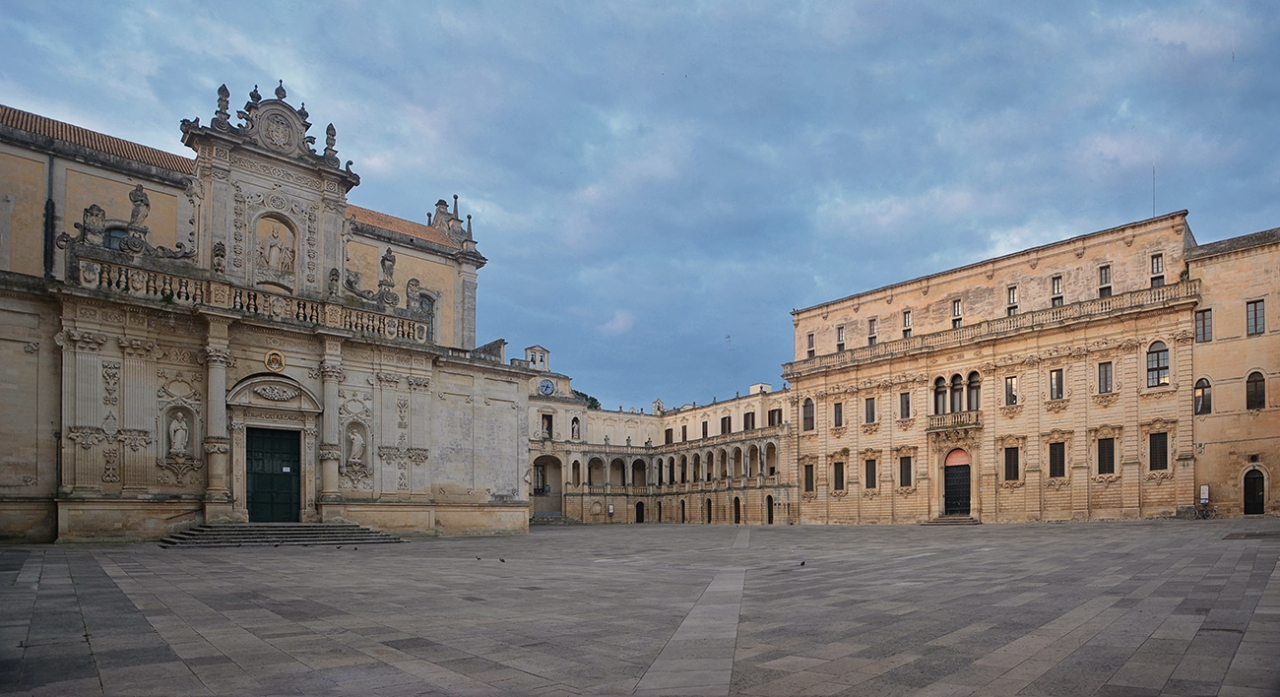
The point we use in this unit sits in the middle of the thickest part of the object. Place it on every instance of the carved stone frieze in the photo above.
(839, 494)
(1011, 411)
(1106, 480)
(175, 468)
(111, 465)
(1160, 476)
(275, 393)
(1056, 406)
(417, 384)
(80, 341)
(134, 439)
(905, 490)
(1012, 484)
(110, 382)
(1106, 400)
(136, 348)
(906, 424)
(1056, 483)
(871, 428)
(86, 436)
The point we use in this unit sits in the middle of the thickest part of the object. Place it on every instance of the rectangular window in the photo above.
(904, 405)
(669, 436)
(808, 477)
(906, 318)
(839, 338)
(1055, 384)
(955, 323)
(1158, 365)
(1011, 390)
(1157, 264)
(871, 341)
(1057, 459)
(870, 466)
(837, 476)
(1011, 464)
(811, 349)
(871, 410)
(1056, 301)
(1104, 377)
(1159, 451)
(1157, 281)
(726, 425)
(906, 333)
(749, 421)
(704, 429)
(1055, 285)
(904, 471)
(1012, 294)
(1255, 318)
(1106, 456)
(1104, 292)
(837, 414)
(775, 417)
(871, 327)
(1011, 311)
(1104, 281)
(684, 433)
(1204, 326)
(955, 307)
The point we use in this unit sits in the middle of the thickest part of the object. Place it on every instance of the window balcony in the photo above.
(956, 420)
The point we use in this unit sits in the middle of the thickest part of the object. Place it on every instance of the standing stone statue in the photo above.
(357, 447)
(179, 433)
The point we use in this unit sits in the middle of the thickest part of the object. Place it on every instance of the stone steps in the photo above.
(556, 519)
(953, 520)
(276, 534)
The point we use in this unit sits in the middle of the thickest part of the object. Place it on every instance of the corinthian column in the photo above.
(216, 444)
(331, 435)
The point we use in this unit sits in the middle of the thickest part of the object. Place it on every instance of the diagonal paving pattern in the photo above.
(1123, 608)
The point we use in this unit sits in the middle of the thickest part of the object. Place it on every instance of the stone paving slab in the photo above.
(1122, 608)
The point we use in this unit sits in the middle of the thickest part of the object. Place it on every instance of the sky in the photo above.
(657, 185)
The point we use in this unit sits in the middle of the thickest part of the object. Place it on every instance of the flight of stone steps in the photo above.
(953, 520)
(553, 519)
(277, 534)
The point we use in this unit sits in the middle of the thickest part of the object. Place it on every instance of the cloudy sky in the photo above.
(656, 185)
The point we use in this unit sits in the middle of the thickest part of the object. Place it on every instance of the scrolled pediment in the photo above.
(273, 392)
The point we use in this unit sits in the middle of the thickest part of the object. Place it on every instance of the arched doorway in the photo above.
(548, 497)
(639, 511)
(737, 511)
(955, 482)
(708, 511)
(659, 520)
(682, 518)
(1255, 493)
(768, 510)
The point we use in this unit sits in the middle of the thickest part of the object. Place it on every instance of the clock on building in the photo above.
(547, 387)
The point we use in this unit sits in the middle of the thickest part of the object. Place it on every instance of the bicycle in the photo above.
(1206, 511)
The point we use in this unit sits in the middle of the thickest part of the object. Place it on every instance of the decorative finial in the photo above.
(280, 93)
(331, 136)
(303, 111)
(468, 225)
(254, 96)
(224, 98)
(455, 205)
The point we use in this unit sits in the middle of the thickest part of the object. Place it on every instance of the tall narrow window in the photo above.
(704, 429)
(904, 471)
(957, 394)
(837, 414)
(1203, 397)
(906, 324)
(684, 433)
(940, 396)
(904, 405)
(1011, 300)
(1055, 289)
(1106, 456)
(749, 421)
(1011, 464)
(1159, 451)
(871, 332)
(1204, 326)
(1011, 390)
(548, 425)
(837, 476)
(955, 307)
(1255, 391)
(775, 417)
(808, 477)
(1104, 281)
(1157, 270)
(1055, 384)
(973, 392)
(1104, 377)
(1158, 365)
(668, 436)
(870, 466)
(726, 425)
(1057, 459)
(956, 323)
(811, 345)
(870, 410)
(840, 338)
(1255, 317)
(807, 415)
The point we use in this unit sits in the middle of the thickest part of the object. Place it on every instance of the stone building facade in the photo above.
(226, 338)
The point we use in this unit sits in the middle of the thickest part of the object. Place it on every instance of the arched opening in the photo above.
(708, 511)
(1158, 365)
(1255, 493)
(957, 393)
(738, 466)
(940, 396)
(768, 510)
(659, 512)
(771, 459)
(595, 472)
(547, 480)
(753, 461)
(807, 414)
(697, 469)
(638, 477)
(577, 474)
(722, 472)
(1203, 397)
(684, 470)
(955, 483)
(973, 397)
(575, 429)
(737, 511)
(682, 512)
(639, 511)
(617, 473)
(1255, 392)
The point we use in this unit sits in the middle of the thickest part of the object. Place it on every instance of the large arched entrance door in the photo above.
(1255, 502)
(955, 482)
(768, 509)
(639, 511)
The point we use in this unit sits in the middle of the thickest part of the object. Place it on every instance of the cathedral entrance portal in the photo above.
(273, 462)
(955, 483)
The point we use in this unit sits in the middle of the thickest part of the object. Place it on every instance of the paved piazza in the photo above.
(1124, 608)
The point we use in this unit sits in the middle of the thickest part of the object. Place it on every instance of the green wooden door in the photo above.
(273, 465)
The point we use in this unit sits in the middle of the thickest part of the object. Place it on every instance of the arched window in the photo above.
(940, 396)
(974, 397)
(808, 414)
(957, 393)
(1158, 365)
(1255, 391)
(1204, 397)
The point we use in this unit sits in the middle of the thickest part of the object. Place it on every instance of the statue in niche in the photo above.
(275, 252)
(275, 249)
(179, 434)
(356, 454)
(334, 282)
(576, 430)
(141, 208)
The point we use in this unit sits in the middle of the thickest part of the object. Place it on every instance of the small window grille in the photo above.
(1011, 464)
(1057, 459)
(837, 476)
(1106, 456)
(1159, 451)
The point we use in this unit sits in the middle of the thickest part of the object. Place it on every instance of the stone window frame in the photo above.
(875, 454)
(1158, 425)
(1202, 396)
(1004, 443)
(897, 454)
(1057, 435)
(1116, 433)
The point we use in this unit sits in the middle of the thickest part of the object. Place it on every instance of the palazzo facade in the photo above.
(226, 338)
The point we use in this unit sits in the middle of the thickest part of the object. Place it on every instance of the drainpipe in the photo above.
(50, 211)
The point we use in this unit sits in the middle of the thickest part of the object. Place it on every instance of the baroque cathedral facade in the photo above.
(224, 338)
